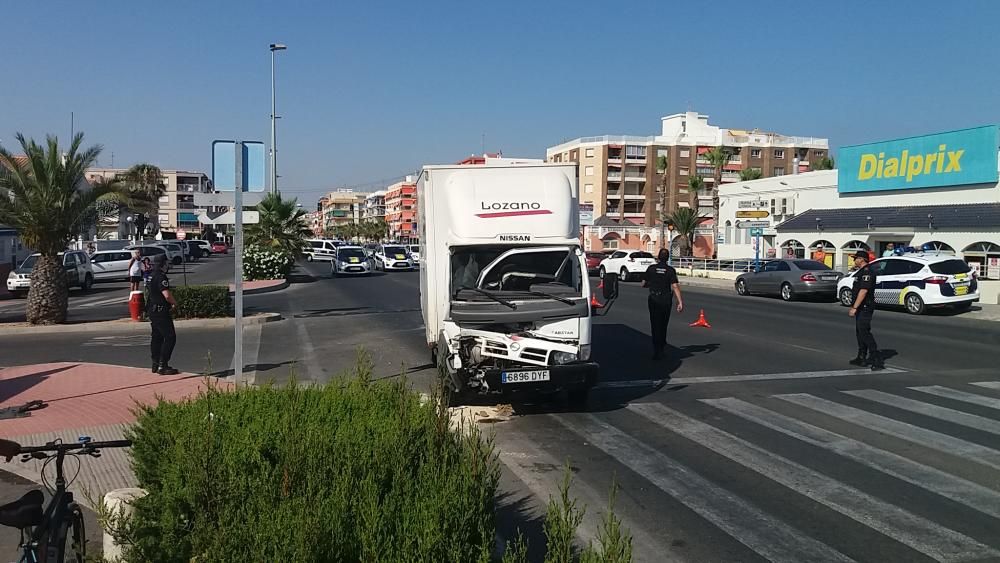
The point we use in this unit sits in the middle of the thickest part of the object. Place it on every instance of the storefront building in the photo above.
(936, 191)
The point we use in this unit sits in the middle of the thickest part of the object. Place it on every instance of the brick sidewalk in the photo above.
(84, 399)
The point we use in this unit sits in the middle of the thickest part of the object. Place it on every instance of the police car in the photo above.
(350, 260)
(392, 257)
(918, 280)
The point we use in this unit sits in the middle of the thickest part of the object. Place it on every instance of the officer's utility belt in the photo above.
(159, 308)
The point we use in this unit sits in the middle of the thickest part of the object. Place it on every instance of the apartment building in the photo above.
(374, 207)
(176, 207)
(621, 175)
(401, 209)
(342, 206)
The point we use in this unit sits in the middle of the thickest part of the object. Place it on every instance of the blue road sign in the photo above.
(224, 165)
(756, 231)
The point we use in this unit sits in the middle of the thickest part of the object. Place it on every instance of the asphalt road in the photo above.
(109, 300)
(753, 441)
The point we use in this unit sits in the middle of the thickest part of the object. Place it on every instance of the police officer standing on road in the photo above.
(661, 279)
(862, 310)
(161, 303)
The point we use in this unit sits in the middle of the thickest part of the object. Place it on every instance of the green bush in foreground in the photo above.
(357, 470)
(352, 471)
(202, 301)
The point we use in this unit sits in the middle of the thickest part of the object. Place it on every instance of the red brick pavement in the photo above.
(87, 395)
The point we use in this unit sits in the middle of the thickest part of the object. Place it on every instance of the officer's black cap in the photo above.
(160, 260)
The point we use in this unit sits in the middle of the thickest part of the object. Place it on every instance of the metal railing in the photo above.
(716, 265)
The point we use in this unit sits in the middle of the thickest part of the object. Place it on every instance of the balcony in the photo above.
(614, 176)
(189, 188)
(635, 196)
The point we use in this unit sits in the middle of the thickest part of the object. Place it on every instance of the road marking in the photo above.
(949, 486)
(113, 301)
(761, 532)
(543, 474)
(920, 436)
(927, 409)
(629, 384)
(795, 375)
(957, 395)
(925, 536)
(988, 384)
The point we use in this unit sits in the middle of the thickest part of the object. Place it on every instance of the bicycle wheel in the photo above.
(79, 547)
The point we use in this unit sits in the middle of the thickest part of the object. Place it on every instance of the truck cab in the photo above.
(504, 285)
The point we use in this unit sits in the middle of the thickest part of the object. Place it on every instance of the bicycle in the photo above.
(44, 532)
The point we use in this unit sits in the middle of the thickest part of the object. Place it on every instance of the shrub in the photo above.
(261, 263)
(353, 471)
(202, 301)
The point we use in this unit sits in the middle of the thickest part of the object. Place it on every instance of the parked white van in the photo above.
(320, 250)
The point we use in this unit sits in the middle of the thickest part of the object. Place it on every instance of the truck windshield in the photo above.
(552, 270)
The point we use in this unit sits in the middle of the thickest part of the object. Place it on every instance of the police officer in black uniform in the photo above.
(862, 310)
(661, 279)
(161, 302)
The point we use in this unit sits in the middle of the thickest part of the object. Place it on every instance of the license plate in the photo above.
(962, 290)
(354, 269)
(524, 376)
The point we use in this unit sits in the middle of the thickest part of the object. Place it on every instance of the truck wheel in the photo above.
(88, 281)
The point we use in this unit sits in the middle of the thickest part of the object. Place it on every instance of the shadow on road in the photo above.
(252, 367)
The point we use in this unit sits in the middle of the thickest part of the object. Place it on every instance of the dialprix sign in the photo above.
(967, 156)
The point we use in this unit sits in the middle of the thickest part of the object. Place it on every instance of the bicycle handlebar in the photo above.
(51, 447)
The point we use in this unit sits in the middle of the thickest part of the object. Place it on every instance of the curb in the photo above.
(125, 326)
(269, 289)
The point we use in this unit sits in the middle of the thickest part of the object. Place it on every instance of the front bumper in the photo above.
(18, 285)
(577, 375)
(398, 266)
(353, 270)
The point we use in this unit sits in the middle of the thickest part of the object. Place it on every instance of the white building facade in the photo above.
(825, 214)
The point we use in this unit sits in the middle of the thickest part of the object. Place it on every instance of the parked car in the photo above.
(110, 265)
(350, 260)
(594, 260)
(147, 250)
(629, 264)
(790, 278)
(320, 250)
(918, 281)
(219, 247)
(414, 250)
(175, 252)
(204, 246)
(76, 263)
(392, 257)
(192, 253)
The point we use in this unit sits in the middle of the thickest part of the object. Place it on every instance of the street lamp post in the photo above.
(274, 148)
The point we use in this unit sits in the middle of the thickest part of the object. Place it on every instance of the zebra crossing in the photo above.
(911, 473)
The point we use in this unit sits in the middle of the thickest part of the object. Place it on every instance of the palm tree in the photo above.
(662, 165)
(145, 186)
(46, 198)
(750, 174)
(696, 185)
(685, 221)
(825, 163)
(717, 157)
(280, 227)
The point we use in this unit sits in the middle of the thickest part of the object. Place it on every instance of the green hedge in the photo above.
(353, 471)
(202, 301)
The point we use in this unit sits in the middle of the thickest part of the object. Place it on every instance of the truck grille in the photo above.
(534, 355)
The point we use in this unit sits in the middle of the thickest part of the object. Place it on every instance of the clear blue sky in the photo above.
(370, 90)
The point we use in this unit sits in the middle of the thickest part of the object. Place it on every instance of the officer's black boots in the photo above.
(167, 370)
(876, 361)
(156, 367)
(861, 359)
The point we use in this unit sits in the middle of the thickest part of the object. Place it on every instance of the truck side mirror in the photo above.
(610, 286)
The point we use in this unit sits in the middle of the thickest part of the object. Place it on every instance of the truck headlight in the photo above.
(584, 354)
(11, 276)
(560, 358)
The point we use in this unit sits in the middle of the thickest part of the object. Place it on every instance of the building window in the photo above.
(684, 171)
(610, 243)
(588, 171)
(588, 188)
(755, 153)
(820, 153)
(589, 152)
(164, 199)
(164, 219)
(779, 153)
(685, 153)
(779, 171)
(728, 238)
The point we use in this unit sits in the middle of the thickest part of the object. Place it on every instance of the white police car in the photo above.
(392, 257)
(350, 260)
(916, 281)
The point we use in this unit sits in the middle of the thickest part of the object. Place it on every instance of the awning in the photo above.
(883, 220)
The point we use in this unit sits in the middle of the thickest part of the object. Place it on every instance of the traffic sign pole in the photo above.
(238, 244)
(756, 253)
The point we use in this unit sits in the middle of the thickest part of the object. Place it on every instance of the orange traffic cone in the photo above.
(594, 302)
(702, 322)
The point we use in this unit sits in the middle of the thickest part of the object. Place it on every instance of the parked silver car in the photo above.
(789, 279)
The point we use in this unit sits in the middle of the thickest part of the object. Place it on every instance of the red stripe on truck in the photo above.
(514, 213)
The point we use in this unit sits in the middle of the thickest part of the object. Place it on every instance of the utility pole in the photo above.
(274, 148)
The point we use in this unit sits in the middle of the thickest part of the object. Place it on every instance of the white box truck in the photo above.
(503, 281)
